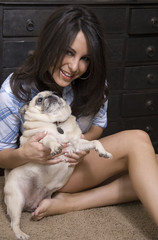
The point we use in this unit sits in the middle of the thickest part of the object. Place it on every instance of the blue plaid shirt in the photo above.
(11, 122)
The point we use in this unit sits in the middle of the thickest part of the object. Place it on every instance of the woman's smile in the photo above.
(66, 75)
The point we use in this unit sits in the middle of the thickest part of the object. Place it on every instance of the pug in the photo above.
(26, 185)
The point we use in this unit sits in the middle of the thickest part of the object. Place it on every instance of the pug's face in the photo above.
(46, 106)
(47, 102)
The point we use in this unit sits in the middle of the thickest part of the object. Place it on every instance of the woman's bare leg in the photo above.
(118, 191)
(132, 151)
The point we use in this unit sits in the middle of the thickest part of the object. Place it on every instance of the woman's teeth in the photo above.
(66, 74)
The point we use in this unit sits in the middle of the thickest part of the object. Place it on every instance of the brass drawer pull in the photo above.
(150, 78)
(154, 22)
(150, 105)
(30, 25)
(150, 51)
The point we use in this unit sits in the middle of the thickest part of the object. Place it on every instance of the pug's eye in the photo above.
(39, 100)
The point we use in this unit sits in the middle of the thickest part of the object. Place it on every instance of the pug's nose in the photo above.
(53, 98)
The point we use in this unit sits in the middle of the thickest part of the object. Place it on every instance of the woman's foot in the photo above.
(59, 204)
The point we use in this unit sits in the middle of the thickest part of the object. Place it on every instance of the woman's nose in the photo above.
(74, 65)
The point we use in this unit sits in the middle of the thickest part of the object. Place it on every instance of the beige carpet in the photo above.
(122, 222)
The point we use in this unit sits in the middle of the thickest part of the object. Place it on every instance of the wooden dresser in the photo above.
(131, 33)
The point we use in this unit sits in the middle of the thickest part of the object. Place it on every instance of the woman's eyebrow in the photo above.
(87, 55)
(71, 49)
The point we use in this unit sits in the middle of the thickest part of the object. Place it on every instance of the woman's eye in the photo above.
(86, 59)
(69, 53)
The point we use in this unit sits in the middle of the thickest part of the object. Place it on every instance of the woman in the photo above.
(70, 59)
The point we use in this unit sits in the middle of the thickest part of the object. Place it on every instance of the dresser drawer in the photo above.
(14, 53)
(139, 104)
(114, 78)
(142, 50)
(113, 127)
(141, 77)
(148, 124)
(113, 107)
(143, 21)
(24, 22)
(115, 16)
(114, 50)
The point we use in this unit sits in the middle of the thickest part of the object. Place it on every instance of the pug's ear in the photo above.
(23, 109)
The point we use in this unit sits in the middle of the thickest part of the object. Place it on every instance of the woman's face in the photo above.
(75, 62)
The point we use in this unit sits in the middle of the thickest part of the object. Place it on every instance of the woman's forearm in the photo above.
(11, 158)
(93, 133)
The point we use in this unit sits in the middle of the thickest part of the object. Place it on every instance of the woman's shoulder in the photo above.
(6, 93)
(7, 96)
(6, 85)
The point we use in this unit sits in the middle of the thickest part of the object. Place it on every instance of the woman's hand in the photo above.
(34, 151)
(75, 158)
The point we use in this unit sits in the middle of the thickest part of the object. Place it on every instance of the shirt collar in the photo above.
(67, 90)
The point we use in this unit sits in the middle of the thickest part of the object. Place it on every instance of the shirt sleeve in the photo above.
(100, 118)
(10, 121)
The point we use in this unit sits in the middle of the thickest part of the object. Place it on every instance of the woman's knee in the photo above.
(125, 140)
(139, 136)
(138, 140)
(126, 143)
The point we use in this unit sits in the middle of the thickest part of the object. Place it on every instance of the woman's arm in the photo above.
(93, 133)
(34, 151)
(10, 158)
(31, 151)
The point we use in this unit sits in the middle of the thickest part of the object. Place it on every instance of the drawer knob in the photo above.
(150, 105)
(154, 22)
(148, 129)
(30, 25)
(30, 53)
(150, 51)
(150, 78)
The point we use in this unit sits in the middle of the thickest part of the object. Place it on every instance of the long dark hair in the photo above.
(56, 37)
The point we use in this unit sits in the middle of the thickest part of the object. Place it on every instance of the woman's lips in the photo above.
(66, 75)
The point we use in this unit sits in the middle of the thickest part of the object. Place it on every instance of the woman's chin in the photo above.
(63, 82)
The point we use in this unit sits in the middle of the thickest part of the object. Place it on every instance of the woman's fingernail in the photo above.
(70, 165)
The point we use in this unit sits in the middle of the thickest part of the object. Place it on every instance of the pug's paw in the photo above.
(56, 148)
